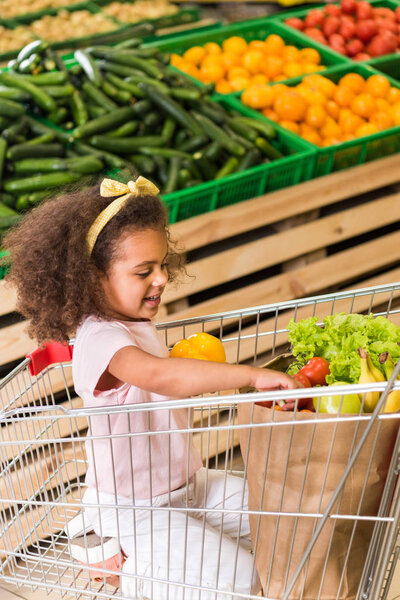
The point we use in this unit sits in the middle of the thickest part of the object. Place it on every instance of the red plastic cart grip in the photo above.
(50, 354)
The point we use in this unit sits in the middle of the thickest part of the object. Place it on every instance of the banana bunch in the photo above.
(393, 400)
(369, 374)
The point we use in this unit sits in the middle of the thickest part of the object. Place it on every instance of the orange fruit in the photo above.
(332, 109)
(210, 60)
(363, 105)
(348, 137)
(293, 69)
(176, 60)
(290, 105)
(315, 116)
(229, 60)
(191, 70)
(223, 86)
(257, 45)
(331, 141)
(354, 81)
(323, 84)
(211, 73)
(291, 125)
(194, 55)
(382, 105)
(312, 95)
(212, 48)
(281, 87)
(366, 129)
(258, 96)
(395, 113)
(270, 114)
(343, 96)
(291, 54)
(349, 122)
(382, 120)
(313, 137)
(309, 68)
(252, 60)
(378, 86)
(274, 45)
(330, 129)
(393, 95)
(234, 44)
(236, 72)
(272, 66)
(259, 79)
(310, 55)
(240, 83)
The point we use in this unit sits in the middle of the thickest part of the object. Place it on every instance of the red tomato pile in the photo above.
(354, 28)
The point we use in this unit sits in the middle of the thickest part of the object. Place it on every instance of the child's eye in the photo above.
(144, 274)
(164, 265)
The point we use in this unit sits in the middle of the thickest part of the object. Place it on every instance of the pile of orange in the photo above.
(327, 113)
(238, 64)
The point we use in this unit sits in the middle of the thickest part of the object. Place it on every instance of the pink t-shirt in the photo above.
(119, 463)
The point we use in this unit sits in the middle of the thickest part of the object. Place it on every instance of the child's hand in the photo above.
(267, 379)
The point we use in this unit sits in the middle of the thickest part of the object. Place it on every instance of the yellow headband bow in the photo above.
(109, 188)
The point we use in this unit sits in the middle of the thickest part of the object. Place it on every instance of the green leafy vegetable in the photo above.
(337, 340)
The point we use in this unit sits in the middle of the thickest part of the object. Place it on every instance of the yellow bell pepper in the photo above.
(202, 346)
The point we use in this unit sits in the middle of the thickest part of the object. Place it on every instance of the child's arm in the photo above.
(183, 377)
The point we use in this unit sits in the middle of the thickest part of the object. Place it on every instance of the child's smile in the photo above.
(137, 276)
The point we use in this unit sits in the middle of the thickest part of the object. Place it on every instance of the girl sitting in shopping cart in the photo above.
(87, 265)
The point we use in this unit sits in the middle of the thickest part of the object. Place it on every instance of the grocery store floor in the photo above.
(9, 592)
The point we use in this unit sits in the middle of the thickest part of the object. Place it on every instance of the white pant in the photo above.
(201, 548)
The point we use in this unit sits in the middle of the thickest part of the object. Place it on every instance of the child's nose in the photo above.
(160, 278)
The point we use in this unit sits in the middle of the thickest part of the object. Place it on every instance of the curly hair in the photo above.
(56, 279)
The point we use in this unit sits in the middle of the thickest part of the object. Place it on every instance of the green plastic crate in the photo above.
(4, 268)
(389, 65)
(296, 167)
(355, 152)
(301, 13)
(250, 30)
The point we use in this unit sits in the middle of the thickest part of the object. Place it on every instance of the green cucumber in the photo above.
(105, 123)
(7, 200)
(243, 130)
(7, 222)
(41, 139)
(209, 111)
(14, 94)
(37, 197)
(59, 91)
(144, 164)
(121, 96)
(151, 120)
(228, 168)
(11, 109)
(29, 64)
(118, 69)
(3, 150)
(161, 168)
(140, 64)
(124, 130)
(142, 107)
(51, 78)
(89, 66)
(96, 111)
(22, 203)
(132, 88)
(129, 43)
(40, 128)
(172, 108)
(4, 123)
(192, 144)
(126, 145)
(40, 97)
(184, 176)
(33, 48)
(168, 129)
(238, 138)
(262, 127)
(39, 165)
(111, 160)
(250, 159)
(212, 151)
(192, 183)
(219, 135)
(12, 132)
(40, 182)
(78, 109)
(206, 168)
(98, 97)
(136, 79)
(180, 137)
(35, 151)
(172, 175)
(85, 164)
(267, 149)
(164, 152)
(58, 116)
(185, 94)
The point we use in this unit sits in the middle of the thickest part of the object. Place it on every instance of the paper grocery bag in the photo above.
(296, 468)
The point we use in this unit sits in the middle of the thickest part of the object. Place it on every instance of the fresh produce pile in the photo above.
(139, 10)
(345, 349)
(116, 107)
(325, 113)
(71, 24)
(11, 8)
(236, 64)
(353, 28)
(13, 39)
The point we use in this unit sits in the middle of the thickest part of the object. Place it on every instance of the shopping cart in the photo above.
(43, 463)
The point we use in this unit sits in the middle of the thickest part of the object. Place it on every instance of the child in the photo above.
(98, 267)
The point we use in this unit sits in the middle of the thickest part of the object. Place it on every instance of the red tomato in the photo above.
(365, 30)
(385, 25)
(354, 47)
(347, 31)
(333, 10)
(295, 23)
(361, 56)
(384, 13)
(316, 369)
(397, 14)
(348, 6)
(331, 25)
(314, 18)
(302, 378)
(364, 10)
(382, 44)
(336, 42)
(316, 34)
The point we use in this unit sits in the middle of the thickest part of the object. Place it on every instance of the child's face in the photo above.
(137, 277)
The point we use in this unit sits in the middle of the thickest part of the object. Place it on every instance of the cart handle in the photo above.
(49, 354)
